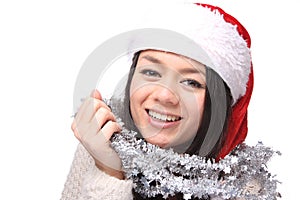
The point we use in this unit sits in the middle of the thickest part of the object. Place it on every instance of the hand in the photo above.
(93, 126)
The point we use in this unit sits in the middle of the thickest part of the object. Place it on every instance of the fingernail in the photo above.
(120, 127)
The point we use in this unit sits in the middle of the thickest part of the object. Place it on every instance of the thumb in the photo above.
(96, 94)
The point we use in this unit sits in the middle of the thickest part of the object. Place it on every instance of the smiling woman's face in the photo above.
(167, 95)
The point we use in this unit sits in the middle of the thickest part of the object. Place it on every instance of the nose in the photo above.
(165, 95)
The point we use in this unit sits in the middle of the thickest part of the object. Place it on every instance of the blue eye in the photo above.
(150, 73)
(192, 83)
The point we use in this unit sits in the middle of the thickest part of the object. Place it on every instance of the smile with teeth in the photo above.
(163, 117)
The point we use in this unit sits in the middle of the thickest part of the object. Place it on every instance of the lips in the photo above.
(163, 117)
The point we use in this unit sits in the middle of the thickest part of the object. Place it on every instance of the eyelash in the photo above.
(192, 83)
(150, 73)
(189, 82)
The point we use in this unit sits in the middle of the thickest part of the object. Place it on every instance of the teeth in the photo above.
(162, 116)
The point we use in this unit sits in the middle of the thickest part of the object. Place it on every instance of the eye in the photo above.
(192, 83)
(151, 73)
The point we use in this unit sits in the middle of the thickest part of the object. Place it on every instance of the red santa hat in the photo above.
(237, 127)
(227, 45)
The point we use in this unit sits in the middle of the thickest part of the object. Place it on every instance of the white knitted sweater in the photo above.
(86, 182)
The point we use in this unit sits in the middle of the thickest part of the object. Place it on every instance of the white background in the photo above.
(44, 43)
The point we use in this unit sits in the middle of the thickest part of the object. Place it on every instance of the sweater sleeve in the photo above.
(85, 181)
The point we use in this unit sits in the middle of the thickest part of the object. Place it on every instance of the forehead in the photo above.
(178, 62)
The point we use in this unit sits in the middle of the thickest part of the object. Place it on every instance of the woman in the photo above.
(171, 101)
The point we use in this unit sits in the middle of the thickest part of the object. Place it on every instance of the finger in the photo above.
(101, 150)
(101, 117)
(74, 129)
(109, 129)
(79, 112)
(83, 130)
(90, 107)
(96, 94)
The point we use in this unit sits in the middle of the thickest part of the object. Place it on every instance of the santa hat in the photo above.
(237, 127)
(226, 43)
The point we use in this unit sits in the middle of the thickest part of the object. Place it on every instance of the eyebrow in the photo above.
(152, 59)
(192, 70)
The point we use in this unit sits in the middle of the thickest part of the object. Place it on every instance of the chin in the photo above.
(157, 142)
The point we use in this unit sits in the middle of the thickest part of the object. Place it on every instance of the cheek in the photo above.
(201, 104)
(136, 88)
(194, 106)
(134, 93)
(138, 97)
(138, 94)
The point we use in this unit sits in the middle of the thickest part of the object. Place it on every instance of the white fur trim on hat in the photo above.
(227, 50)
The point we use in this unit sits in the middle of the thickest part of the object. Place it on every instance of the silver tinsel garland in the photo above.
(242, 173)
